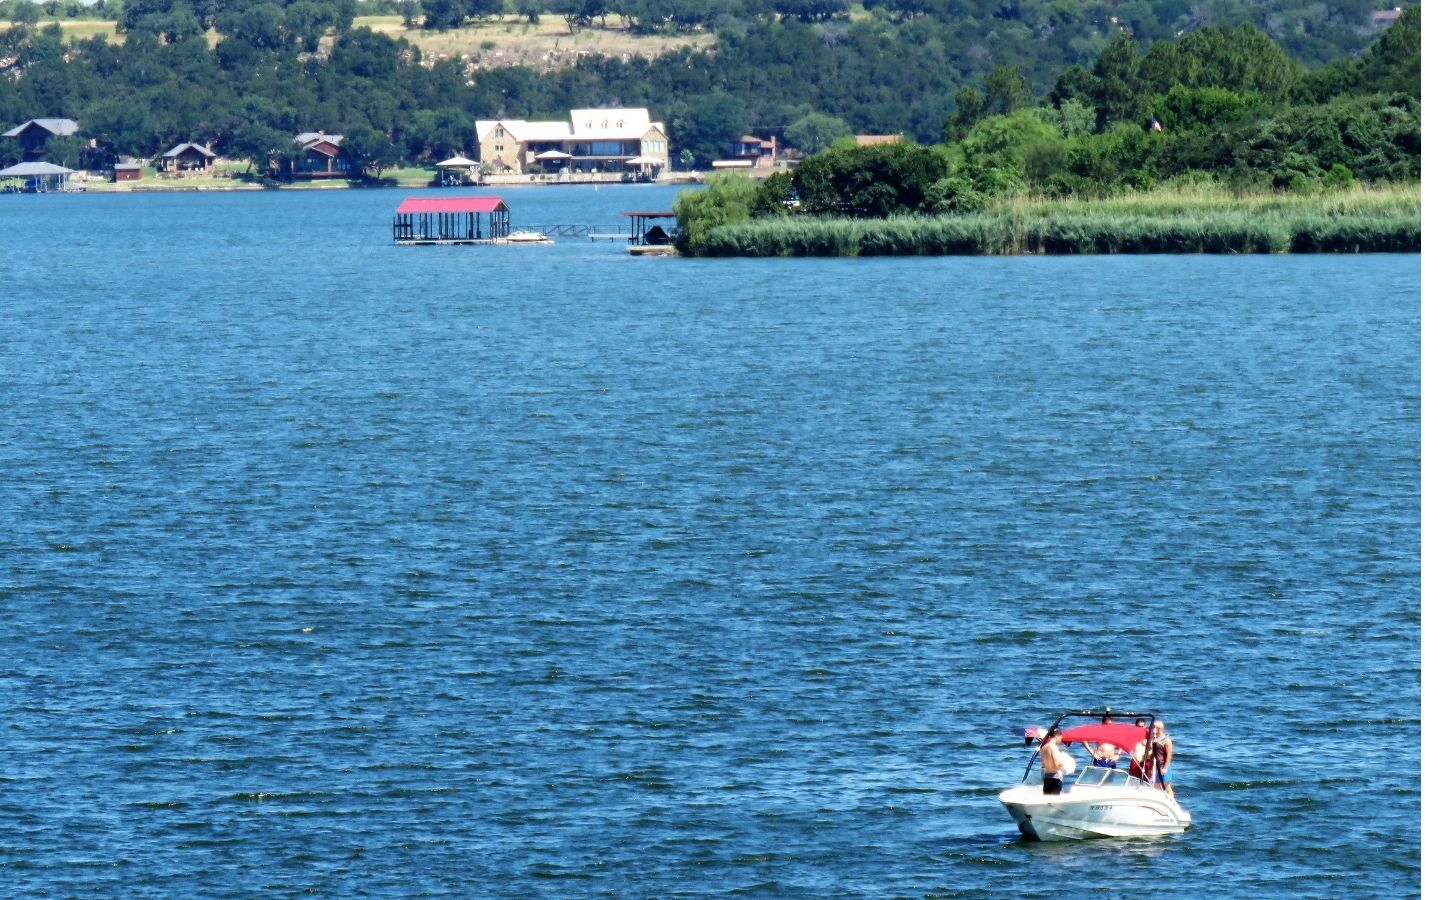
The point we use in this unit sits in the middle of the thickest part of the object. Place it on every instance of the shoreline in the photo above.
(233, 185)
(1361, 220)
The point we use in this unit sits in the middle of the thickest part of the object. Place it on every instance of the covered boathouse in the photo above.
(649, 235)
(452, 220)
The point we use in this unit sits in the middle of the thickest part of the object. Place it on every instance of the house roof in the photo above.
(29, 169)
(57, 127)
(309, 137)
(873, 140)
(181, 148)
(451, 205)
(583, 125)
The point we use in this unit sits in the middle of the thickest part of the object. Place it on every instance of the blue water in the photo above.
(333, 567)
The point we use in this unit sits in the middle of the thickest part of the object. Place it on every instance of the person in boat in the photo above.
(1163, 751)
(1137, 755)
(1052, 765)
(1103, 755)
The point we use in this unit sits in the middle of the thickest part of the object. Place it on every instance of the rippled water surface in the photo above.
(333, 567)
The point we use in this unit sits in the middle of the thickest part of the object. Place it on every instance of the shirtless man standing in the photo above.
(1050, 765)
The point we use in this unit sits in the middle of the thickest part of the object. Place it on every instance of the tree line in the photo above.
(245, 77)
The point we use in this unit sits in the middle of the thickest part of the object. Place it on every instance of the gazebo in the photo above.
(451, 220)
(40, 177)
(449, 171)
(558, 158)
(647, 165)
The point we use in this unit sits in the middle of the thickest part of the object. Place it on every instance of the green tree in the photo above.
(815, 131)
(1117, 82)
(259, 144)
(307, 21)
(370, 151)
(1390, 66)
(1005, 142)
(1006, 90)
(438, 134)
(869, 182)
(1075, 118)
(65, 151)
(710, 123)
(442, 15)
(1241, 59)
(726, 200)
(969, 108)
(775, 197)
(25, 13)
(1184, 109)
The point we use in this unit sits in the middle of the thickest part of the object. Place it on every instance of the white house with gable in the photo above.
(592, 141)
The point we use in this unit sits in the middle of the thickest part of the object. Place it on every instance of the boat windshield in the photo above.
(1095, 776)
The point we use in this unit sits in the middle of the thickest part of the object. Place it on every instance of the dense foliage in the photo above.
(1219, 106)
(245, 76)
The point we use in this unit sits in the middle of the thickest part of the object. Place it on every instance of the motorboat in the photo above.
(1098, 802)
(528, 237)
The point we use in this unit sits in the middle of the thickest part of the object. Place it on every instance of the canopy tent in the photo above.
(554, 154)
(457, 162)
(1119, 734)
(644, 161)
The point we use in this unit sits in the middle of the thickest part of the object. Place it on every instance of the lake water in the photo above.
(333, 567)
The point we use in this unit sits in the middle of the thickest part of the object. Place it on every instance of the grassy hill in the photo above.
(545, 47)
(505, 41)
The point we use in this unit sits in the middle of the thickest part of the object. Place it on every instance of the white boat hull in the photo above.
(1084, 812)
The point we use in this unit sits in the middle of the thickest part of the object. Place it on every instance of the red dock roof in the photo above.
(451, 205)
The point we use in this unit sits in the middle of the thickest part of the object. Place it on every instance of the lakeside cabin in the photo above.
(451, 220)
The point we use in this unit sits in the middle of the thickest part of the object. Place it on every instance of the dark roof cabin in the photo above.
(34, 134)
(321, 156)
(187, 157)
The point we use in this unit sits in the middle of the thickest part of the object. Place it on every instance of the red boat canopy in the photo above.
(452, 205)
(1120, 734)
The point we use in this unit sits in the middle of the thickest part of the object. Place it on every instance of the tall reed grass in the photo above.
(1198, 220)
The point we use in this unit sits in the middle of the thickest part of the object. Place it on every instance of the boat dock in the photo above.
(451, 220)
(440, 221)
